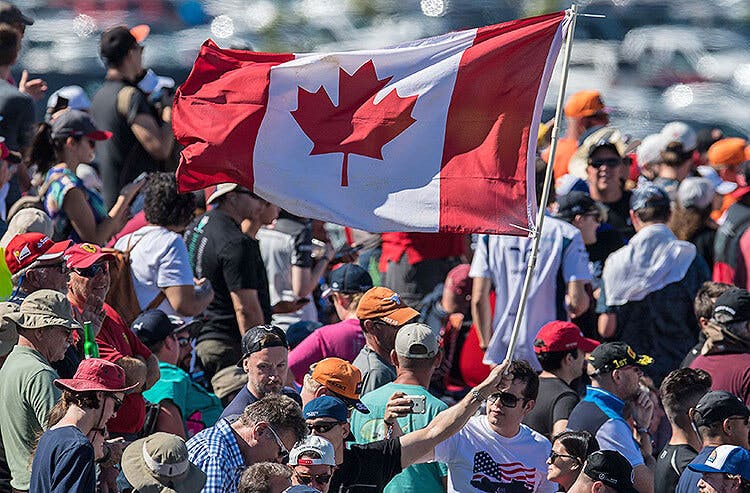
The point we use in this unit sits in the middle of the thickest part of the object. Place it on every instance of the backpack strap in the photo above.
(159, 297)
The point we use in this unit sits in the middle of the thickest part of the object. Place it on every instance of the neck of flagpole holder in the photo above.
(537, 232)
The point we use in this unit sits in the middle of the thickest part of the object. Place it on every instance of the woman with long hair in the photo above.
(65, 456)
(691, 217)
(569, 452)
(77, 212)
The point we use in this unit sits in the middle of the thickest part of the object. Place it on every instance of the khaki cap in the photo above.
(42, 309)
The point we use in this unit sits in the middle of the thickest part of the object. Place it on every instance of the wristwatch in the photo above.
(477, 396)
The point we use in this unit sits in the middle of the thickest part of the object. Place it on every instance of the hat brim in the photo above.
(145, 481)
(400, 316)
(220, 193)
(193, 328)
(90, 260)
(726, 187)
(79, 385)
(587, 345)
(100, 135)
(34, 321)
(57, 251)
(140, 32)
(355, 403)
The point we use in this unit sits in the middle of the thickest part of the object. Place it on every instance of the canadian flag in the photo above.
(434, 135)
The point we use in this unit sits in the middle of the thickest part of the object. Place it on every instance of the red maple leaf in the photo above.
(357, 125)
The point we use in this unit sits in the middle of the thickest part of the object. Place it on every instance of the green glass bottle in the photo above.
(90, 347)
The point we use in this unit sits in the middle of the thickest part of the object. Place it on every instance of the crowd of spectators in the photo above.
(210, 342)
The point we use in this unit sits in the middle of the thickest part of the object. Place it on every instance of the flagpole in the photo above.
(547, 187)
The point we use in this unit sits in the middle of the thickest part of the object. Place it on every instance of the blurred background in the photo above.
(653, 61)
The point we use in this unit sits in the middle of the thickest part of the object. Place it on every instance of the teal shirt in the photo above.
(175, 384)
(366, 428)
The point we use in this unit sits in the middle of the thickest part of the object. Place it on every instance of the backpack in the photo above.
(121, 295)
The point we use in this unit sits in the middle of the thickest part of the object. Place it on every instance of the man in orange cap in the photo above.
(725, 155)
(335, 377)
(583, 111)
(381, 312)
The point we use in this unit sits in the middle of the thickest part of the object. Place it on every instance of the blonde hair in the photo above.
(353, 300)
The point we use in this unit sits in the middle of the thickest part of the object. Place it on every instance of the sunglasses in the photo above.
(324, 427)
(92, 270)
(309, 478)
(283, 455)
(609, 162)
(118, 402)
(506, 399)
(554, 455)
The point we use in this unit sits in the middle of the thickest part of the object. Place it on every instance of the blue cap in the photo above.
(348, 279)
(153, 326)
(649, 195)
(726, 459)
(298, 331)
(326, 406)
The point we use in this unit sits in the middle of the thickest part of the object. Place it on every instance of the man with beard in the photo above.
(615, 371)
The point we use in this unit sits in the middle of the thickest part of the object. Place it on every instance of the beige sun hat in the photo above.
(42, 309)
(29, 220)
(159, 464)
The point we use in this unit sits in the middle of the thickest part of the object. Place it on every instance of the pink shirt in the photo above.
(343, 340)
(730, 372)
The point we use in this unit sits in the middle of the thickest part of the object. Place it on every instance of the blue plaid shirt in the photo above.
(215, 451)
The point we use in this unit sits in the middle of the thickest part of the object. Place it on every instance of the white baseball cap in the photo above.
(312, 443)
(682, 133)
(76, 96)
(722, 187)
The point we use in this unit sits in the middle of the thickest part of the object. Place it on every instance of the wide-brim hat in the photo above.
(42, 309)
(96, 375)
(141, 466)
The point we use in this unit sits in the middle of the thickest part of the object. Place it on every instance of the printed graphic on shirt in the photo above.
(512, 477)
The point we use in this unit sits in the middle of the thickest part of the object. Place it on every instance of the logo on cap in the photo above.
(22, 254)
(42, 242)
(631, 353)
(712, 457)
(394, 298)
(88, 247)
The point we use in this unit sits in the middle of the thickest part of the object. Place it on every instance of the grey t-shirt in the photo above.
(376, 372)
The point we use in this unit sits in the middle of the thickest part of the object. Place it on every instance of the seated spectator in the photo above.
(381, 312)
(569, 452)
(265, 432)
(337, 378)
(45, 327)
(76, 211)
(265, 477)
(179, 398)
(728, 470)
(721, 419)
(65, 454)
(160, 266)
(691, 218)
(680, 392)
(561, 349)
(346, 286)
(159, 463)
(703, 306)
(313, 461)
(416, 355)
(726, 353)
(264, 359)
(605, 471)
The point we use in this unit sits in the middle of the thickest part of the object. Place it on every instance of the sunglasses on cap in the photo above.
(609, 162)
(309, 478)
(506, 399)
(92, 270)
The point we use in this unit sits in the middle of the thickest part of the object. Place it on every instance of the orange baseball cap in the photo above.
(382, 303)
(584, 103)
(729, 152)
(343, 378)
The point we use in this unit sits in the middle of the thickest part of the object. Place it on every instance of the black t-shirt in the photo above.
(122, 158)
(367, 467)
(555, 401)
(222, 253)
(618, 215)
(672, 460)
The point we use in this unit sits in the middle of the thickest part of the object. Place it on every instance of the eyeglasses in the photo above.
(309, 478)
(92, 270)
(323, 427)
(506, 399)
(609, 162)
(554, 455)
(283, 451)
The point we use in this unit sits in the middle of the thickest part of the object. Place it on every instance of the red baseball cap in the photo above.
(85, 255)
(23, 250)
(96, 374)
(562, 336)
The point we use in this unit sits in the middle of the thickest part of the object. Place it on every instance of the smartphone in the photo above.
(418, 403)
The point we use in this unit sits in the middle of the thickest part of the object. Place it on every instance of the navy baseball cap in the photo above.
(76, 123)
(649, 195)
(717, 405)
(348, 279)
(298, 331)
(574, 204)
(326, 406)
(153, 326)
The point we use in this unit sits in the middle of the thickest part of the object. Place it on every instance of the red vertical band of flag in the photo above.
(487, 130)
(241, 95)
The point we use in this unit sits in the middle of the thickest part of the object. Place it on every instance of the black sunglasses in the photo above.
(92, 270)
(322, 427)
(506, 399)
(554, 455)
(609, 162)
(309, 478)
(118, 402)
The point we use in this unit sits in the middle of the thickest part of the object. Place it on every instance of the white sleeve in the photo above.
(480, 263)
(174, 266)
(616, 435)
(444, 450)
(575, 261)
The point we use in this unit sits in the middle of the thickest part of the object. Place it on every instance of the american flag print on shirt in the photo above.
(512, 477)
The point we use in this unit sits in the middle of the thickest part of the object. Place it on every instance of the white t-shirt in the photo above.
(158, 259)
(479, 459)
(503, 259)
